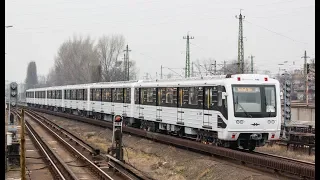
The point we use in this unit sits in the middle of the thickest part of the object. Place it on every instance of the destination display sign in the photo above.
(246, 89)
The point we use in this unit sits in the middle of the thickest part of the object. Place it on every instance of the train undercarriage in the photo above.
(246, 141)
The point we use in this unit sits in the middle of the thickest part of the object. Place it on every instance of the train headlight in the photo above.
(269, 121)
(273, 121)
(237, 121)
(241, 121)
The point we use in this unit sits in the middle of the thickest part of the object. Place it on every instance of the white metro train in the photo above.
(231, 111)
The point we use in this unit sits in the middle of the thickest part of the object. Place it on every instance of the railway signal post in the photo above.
(117, 138)
(12, 104)
(287, 103)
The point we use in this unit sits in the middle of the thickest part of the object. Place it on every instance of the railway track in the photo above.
(300, 169)
(88, 163)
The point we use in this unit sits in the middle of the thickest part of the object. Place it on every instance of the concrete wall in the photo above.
(303, 114)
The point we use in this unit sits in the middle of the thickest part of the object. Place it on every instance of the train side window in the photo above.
(127, 95)
(68, 94)
(136, 95)
(85, 94)
(149, 95)
(91, 95)
(103, 94)
(117, 95)
(74, 94)
(167, 97)
(161, 96)
(97, 94)
(106, 95)
(120, 95)
(80, 94)
(193, 96)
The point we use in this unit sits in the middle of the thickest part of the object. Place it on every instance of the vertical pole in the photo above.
(22, 148)
(215, 67)
(284, 107)
(307, 91)
(224, 67)
(240, 45)
(187, 68)
(161, 72)
(305, 74)
(5, 139)
(251, 64)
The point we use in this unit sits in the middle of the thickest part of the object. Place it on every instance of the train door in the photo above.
(210, 101)
(183, 98)
(143, 99)
(136, 102)
(114, 98)
(126, 101)
(161, 93)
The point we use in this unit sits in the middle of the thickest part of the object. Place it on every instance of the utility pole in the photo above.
(127, 50)
(22, 148)
(187, 68)
(124, 67)
(192, 70)
(251, 57)
(215, 67)
(224, 67)
(305, 75)
(161, 72)
(240, 45)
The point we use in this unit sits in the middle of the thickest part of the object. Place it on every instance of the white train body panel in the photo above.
(240, 93)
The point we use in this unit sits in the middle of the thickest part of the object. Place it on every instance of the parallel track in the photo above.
(83, 151)
(279, 164)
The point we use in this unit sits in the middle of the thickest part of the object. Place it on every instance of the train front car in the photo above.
(254, 110)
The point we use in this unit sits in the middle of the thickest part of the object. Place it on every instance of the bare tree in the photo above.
(32, 77)
(75, 62)
(207, 67)
(109, 49)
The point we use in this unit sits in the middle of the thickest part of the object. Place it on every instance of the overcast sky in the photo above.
(275, 30)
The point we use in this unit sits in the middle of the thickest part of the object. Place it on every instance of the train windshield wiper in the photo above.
(237, 102)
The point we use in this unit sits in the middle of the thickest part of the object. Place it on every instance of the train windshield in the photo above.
(254, 101)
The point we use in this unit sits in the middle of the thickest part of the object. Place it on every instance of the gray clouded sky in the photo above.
(275, 30)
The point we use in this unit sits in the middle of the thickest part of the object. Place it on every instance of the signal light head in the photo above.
(265, 79)
(238, 78)
(117, 118)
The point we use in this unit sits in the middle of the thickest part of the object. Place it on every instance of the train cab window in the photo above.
(127, 95)
(136, 95)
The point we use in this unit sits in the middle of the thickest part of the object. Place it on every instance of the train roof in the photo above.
(212, 80)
